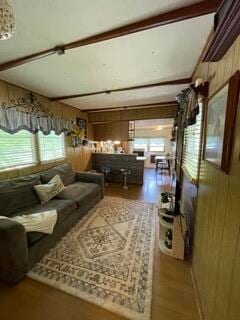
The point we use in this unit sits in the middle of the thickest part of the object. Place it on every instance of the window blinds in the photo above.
(157, 144)
(51, 147)
(17, 149)
(150, 144)
(192, 147)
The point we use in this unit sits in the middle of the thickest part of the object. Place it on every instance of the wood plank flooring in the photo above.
(173, 292)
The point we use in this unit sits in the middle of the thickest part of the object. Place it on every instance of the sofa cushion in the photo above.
(63, 207)
(49, 190)
(18, 194)
(81, 192)
(64, 171)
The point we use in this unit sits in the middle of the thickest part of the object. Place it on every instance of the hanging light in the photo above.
(7, 20)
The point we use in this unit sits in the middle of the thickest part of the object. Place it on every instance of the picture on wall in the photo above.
(82, 126)
(79, 133)
(220, 124)
(216, 119)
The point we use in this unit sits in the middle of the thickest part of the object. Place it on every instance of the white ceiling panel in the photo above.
(159, 54)
(126, 98)
(42, 24)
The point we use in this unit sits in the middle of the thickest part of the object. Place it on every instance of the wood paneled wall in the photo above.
(80, 158)
(216, 251)
(116, 130)
(134, 114)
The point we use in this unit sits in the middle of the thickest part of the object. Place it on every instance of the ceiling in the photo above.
(159, 54)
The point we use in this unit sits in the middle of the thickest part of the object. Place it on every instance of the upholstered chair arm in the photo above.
(13, 251)
(97, 178)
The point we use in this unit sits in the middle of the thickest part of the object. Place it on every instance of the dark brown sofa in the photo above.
(19, 250)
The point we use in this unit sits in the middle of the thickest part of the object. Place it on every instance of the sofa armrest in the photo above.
(97, 178)
(13, 251)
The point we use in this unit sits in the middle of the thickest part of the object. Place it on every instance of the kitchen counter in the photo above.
(124, 154)
(141, 158)
(117, 161)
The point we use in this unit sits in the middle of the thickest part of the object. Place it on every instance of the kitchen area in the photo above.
(124, 149)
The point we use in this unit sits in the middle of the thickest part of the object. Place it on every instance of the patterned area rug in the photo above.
(107, 258)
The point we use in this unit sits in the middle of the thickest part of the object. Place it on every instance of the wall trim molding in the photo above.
(227, 29)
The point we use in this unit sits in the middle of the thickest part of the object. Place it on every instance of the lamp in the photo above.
(7, 20)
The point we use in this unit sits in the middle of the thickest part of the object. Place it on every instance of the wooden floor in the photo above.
(173, 292)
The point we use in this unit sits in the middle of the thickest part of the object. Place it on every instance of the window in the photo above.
(192, 147)
(157, 144)
(141, 143)
(17, 149)
(51, 147)
(23, 148)
(150, 144)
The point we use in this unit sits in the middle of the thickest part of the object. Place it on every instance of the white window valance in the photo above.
(13, 120)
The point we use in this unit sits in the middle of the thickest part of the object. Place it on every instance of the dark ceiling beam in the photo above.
(187, 12)
(184, 13)
(144, 86)
(30, 58)
(159, 104)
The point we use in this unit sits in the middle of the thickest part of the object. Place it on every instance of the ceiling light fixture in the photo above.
(7, 20)
(60, 51)
(159, 128)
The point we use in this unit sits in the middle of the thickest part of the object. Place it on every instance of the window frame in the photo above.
(36, 153)
(148, 144)
(54, 159)
(32, 151)
(188, 174)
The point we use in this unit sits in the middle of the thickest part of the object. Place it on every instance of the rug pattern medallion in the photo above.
(107, 258)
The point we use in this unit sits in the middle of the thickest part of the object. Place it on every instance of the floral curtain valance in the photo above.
(188, 102)
(13, 120)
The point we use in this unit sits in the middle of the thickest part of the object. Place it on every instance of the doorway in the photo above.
(153, 139)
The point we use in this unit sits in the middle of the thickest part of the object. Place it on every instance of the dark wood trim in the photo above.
(158, 84)
(160, 112)
(26, 59)
(159, 104)
(231, 114)
(176, 15)
(227, 29)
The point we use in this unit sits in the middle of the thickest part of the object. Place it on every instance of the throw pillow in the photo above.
(49, 190)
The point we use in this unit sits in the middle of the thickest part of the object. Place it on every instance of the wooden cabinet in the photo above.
(117, 130)
(168, 111)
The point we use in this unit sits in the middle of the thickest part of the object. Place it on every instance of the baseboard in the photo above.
(199, 306)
